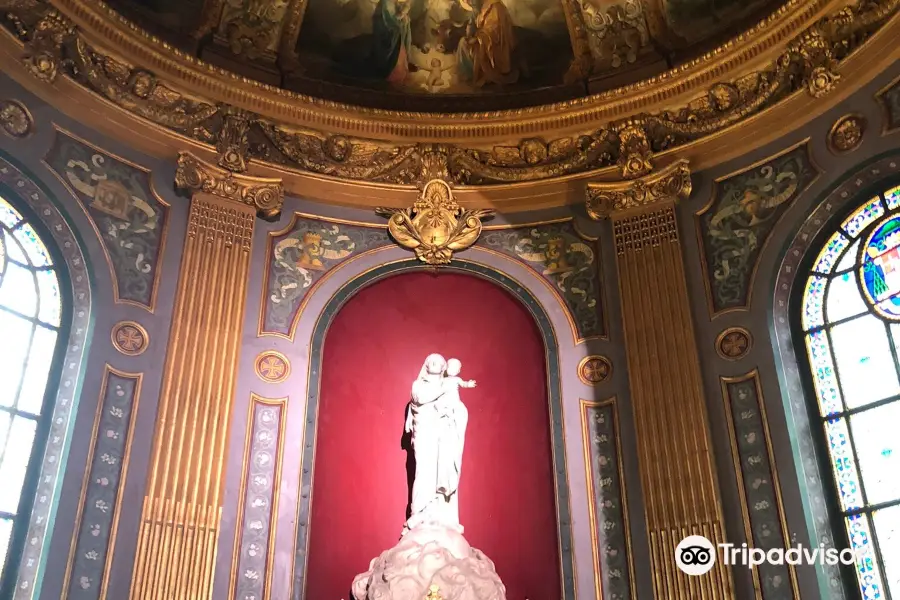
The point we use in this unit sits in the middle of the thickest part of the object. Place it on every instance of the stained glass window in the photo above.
(30, 319)
(851, 326)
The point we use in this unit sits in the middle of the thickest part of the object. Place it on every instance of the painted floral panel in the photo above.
(607, 500)
(300, 257)
(757, 472)
(129, 218)
(737, 224)
(564, 258)
(99, 513)
(259, 499)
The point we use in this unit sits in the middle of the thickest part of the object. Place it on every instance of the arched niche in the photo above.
(373, 348)
(318, 345)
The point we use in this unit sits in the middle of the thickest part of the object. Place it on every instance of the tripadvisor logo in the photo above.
(696, 555)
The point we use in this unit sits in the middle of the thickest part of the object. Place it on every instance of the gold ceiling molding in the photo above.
(178, 94)
(264, 194)
(99, 22)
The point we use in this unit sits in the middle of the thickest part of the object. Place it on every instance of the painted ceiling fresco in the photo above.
(462, 48)
(438, 46)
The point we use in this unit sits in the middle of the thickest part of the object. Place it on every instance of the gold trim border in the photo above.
(151, 308)
(592, 509)
(739, 472)
(714, 195)
(85, 482)
(276, 492)
(121, 325)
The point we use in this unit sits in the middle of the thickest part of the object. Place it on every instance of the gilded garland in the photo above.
(54, 46)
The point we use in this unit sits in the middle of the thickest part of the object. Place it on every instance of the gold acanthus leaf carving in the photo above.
(811, 61)
(264, 194)
(672, 183)
(435, 226)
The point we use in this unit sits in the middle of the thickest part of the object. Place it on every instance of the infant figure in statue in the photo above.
(451, 408)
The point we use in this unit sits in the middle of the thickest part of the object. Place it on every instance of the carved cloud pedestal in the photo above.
(434, 562)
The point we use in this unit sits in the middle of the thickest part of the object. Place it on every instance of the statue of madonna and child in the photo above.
(432, 551)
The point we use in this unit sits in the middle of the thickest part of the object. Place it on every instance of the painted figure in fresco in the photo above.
(436, 75)
(437, 441)
(486, 54)
(391, 39)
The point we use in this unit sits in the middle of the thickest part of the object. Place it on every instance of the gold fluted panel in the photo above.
(182, 507)
(678, 476)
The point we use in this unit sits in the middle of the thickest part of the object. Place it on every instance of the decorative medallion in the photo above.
(15, 119)
(879, 276)
(434, 593)
(130, 338)
(436, 225)
(272, 366)
(734, 343)
(846, 134)
(594, 370)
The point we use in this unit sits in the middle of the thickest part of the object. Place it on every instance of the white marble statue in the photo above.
(432, 554)
(437, 419)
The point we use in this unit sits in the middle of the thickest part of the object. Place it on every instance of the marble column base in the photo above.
(426, 556)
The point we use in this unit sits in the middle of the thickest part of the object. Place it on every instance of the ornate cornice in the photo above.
(670, 184)
(264, 194)
(799, 49)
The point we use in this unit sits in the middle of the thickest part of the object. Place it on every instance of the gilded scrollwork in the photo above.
(435, 226)
(810, 61)
(264, 194)
(671, 183)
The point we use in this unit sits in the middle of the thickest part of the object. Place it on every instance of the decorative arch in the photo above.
(65, 248)
(548, 334)
(847, 208)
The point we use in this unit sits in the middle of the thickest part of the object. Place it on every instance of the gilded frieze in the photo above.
(569, 261)
(810, 61)
(754, 464)
(734, 227)
(129, 218)
(101, 494)
(300, 256)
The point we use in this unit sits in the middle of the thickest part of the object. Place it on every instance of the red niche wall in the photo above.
(373, 352)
